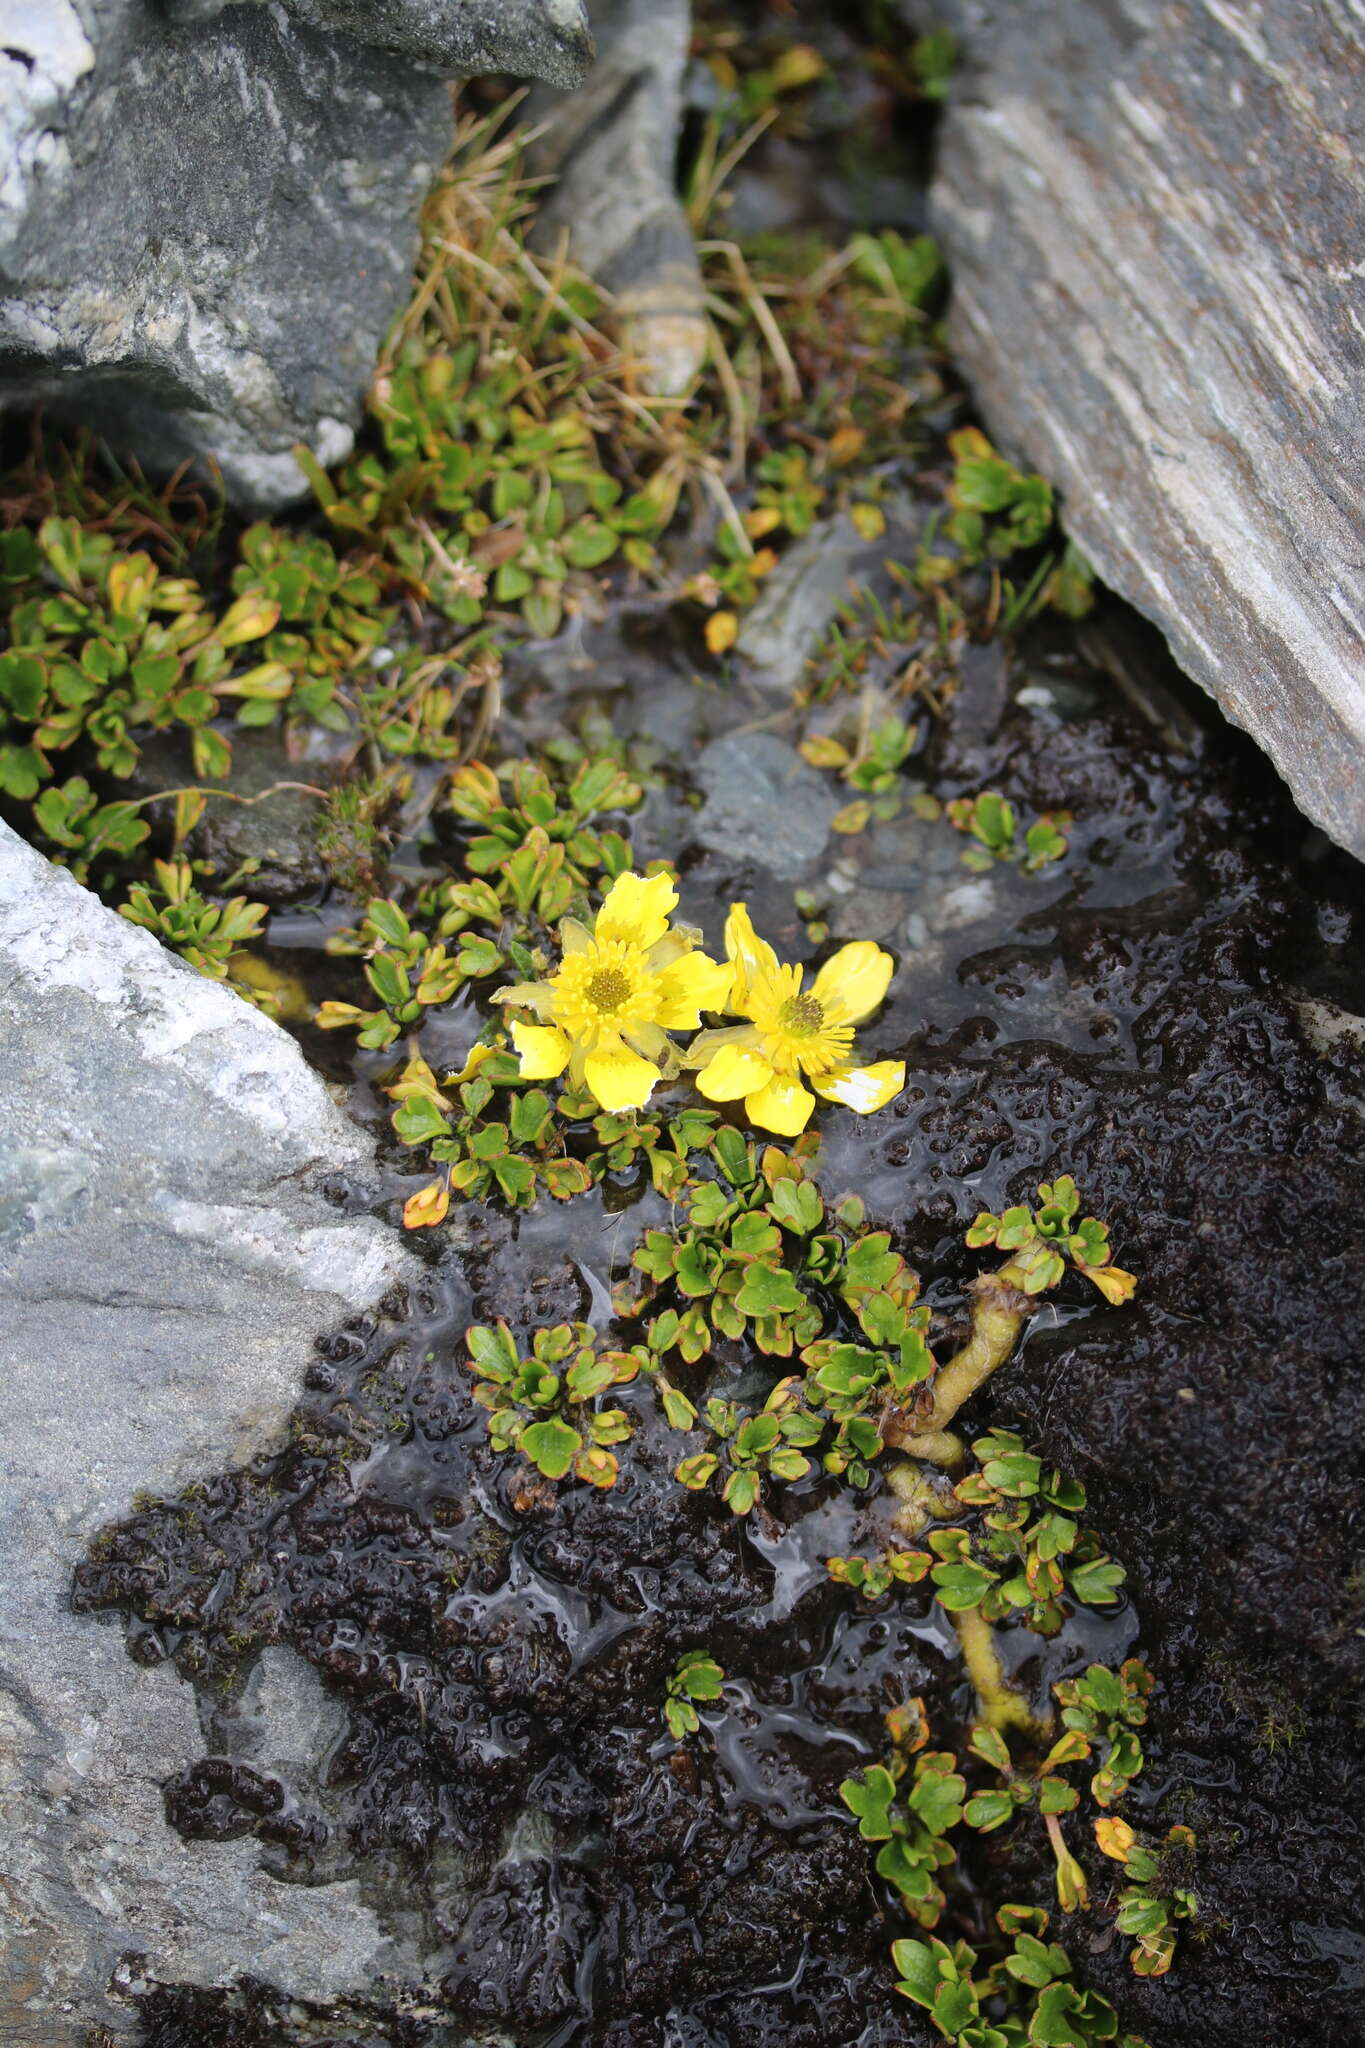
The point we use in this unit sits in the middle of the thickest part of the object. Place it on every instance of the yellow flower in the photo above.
(793, 1034)
(620, 988)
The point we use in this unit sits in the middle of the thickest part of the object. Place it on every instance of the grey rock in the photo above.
(798, 602)
(208, 216)
(612, 149)
(764, 804)
(284, 1720)
(277, 829)
(1152, 215)
(801, 597)
(168, 1258)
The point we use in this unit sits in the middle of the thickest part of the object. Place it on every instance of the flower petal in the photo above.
(692, 984)
(574, 937)
(636, 909)
(783, 1106)
(528, 995)
(734, 1071)
(707, 1044)
(542, 1049)
(649, 1040)
(620, 1079)
(753, 958)
(477, 1055)
(863, 1088)
(850, 986)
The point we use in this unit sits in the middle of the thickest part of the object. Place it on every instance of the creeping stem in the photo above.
(1000, 1705)
(999, 1310)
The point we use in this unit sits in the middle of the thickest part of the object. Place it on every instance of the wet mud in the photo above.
(1167, 1014)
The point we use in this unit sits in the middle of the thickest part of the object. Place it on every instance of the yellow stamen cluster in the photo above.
(621, 988)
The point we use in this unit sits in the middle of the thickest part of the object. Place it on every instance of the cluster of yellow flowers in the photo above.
(621, 988)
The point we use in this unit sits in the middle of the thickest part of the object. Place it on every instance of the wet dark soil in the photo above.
(1161, 1015)
(1168, 1014)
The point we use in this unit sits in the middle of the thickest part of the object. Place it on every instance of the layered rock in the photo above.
(208, 214)
(1153, 214)
(168, 1253)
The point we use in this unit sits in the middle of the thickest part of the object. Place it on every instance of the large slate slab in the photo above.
(208, 213)
(1153, 211)
(168, 1253)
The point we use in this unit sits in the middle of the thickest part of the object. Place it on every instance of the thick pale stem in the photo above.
(1000, 1704)
(998, 1315)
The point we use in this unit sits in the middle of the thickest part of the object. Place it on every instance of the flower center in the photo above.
(608, 989)
(802, 1016)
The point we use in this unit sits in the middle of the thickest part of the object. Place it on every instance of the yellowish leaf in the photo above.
(846, 444)
(823, 752)
(250, 618)
(189, 809)
(762, 520)
(870, 520)
(908, 1726)
(427, 1207)
(722, 631)
(1114, 1284)
(1114, 1838)
(598, 1467)
(853, 817)
(798, 66)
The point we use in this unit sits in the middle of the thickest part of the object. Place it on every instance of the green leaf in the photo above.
(696, 1265)
(1016, 1475)
(870, 1799)
(768, 1290)
(987, 1810)
(23, 684)
(960, 1586)
(587, 1378)
(916, 1969)
(797, 1205)
(551, 1446)
(699, 1675)
(493, 1352)
(757, 1435)
(1102, 1689)
(937, 1794)
(954, 2007)
(753, 1235)
(1053, 2023)
(677, 1408)
(735, 1156)
(1036, 1963)
(417, 1122)
(741, 1492)
(1097, 1584)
